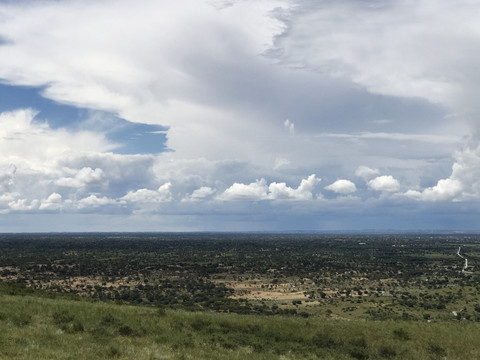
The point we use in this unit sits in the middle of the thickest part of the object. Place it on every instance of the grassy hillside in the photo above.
(34, 326)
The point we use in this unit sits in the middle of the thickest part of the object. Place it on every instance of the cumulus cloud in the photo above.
(259, 190)
(342, 186)
(84, 177)
(446, 189)
(254, 191)
(38, 160)
(34, 146)
(9, 196)
(463, 183)
(7, 176)
(53, 202)
(280, 191)
(384, 183)
(162, 194)
(365, 172)
(94, 201)
(200, 194)
(23, 205)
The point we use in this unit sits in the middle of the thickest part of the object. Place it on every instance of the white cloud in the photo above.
(290, 126)
(34, 146)
(365, 172)
(7, 175)
(463, 183)
(24, 205)
(8, 197)
(280, 162)
(385, 183)
(280, 191)
(413, 49)
(38, 161)
(138, 62)
(200, 194)
(84, 177)
(53, 202)
(94, 201)
(400, 48)
(162, 194)
(429, 138)
(259, 190)
(146, 74)
(342, 187)
(446, 189)
(253, 191)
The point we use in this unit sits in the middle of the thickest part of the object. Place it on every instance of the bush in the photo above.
(62, 317)
(199, 324)
(436, 350)
(113, 352)
(76, 326)
(360, 354)
(360, 343)
(161, 310)
(401, 334)
(21, 319)
(323, 340)
(359, 349)
(67, 322)
(125, 330)
(108, 320)
(387, 352)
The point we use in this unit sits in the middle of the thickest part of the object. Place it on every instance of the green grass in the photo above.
(33, 327)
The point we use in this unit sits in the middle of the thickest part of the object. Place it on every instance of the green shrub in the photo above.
(21, 319)
(200, 324)
(401, 334)
(75, 327)
(62, 317)
(359, 343)
(387, 352)
(359, 349)
(113, 352)
(67, 322)
(161, 310)
(359, 353)
(108, 320)
(125, 330)
(323, 341)
(436, 350)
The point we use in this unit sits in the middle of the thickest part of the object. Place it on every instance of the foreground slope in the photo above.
(34, 326)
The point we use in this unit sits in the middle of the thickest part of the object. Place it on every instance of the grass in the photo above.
(33, 327)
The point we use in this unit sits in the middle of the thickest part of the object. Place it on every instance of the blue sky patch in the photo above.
(133, 138)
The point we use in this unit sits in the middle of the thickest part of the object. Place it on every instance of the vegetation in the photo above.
(41, 327)
(218, 296)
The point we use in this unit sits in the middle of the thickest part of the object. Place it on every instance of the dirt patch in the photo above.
(259, 290)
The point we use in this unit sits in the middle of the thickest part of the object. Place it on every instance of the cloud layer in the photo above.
(378, 99)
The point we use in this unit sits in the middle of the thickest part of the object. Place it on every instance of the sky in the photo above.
(239, 115)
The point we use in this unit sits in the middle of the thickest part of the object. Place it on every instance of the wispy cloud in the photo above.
(429, 138)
